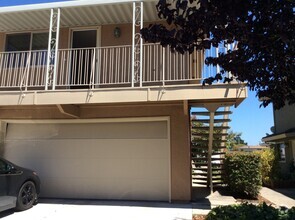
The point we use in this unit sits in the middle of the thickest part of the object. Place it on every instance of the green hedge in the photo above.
(243, 173)
(247, 211)
(270, 169)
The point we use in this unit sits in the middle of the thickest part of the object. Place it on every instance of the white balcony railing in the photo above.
(22, 69)
(99, 67)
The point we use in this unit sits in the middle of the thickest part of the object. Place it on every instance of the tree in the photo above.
(263, 30)
(233, 139)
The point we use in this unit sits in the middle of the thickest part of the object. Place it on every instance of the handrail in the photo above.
(96, 67)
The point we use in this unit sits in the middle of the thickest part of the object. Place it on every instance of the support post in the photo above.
(137, 44)
(210, 148)
(52, 53)
(225, 124)
(141, 43)
(212, 108)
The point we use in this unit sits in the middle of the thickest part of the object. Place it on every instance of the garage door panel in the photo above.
(93, 188)
(112, 130)
(89, 166)
(107, 148)
(104, 168)
(148, 167)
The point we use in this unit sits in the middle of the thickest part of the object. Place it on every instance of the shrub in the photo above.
(243, 173)
(270, 169)
(248, 211)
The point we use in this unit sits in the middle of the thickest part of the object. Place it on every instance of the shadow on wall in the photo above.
(3, 127)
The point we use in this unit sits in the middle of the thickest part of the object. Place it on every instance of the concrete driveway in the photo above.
(101, 210)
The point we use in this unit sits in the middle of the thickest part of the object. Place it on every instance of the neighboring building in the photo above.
(284, 136)
(252, 148)
(96, 112)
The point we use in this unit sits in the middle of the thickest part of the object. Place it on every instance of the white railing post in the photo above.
(133, 45)
(25, 77)
(93, 69)
(163, 67)
(56, 49)
(28, 70)
(52, 53)
(141, 43)
(137, 43)
(49, 51)
(98, 70)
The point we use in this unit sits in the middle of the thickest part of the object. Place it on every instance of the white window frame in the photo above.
(90, 28)
(25, 32)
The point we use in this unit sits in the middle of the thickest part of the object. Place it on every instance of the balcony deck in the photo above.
(103, 75)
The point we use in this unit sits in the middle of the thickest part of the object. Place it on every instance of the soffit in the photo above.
(75, 16)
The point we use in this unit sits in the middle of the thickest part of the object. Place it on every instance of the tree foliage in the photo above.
(270, 168)
(233, 139)
(264, 30)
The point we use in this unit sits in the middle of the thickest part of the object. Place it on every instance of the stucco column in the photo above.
(2, 136)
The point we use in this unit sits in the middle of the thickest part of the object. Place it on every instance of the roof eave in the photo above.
(66, 4)
(279, 137)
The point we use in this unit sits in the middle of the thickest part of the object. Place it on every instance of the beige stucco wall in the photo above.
(2, 136)
(107, 34)
(108, 38)
(2, 41)
(64, 37)
(179, 131)
(284, 118)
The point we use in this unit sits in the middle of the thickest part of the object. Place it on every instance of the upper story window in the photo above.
(27, 41)
(25, 45)
(39, 41)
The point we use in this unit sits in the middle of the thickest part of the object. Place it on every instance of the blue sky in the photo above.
(19, 2)
(252, 121)
(248, 118)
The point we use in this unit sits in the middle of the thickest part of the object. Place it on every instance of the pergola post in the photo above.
(212, 108)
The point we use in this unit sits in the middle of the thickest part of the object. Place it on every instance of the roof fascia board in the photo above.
(279, 137)
(68, 4)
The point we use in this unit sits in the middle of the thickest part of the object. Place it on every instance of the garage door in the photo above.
(102, 160)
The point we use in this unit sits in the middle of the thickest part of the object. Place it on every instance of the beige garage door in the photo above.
(102, 160)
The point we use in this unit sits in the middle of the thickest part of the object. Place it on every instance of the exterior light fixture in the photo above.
(117, 32)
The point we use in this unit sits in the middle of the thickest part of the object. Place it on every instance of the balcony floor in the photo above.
(195, 93)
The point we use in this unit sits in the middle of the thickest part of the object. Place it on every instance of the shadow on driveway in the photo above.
(122, 203)
(7, 213)
(289, 192)
(52, 209)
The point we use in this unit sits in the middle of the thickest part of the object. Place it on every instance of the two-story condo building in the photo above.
(94, 110)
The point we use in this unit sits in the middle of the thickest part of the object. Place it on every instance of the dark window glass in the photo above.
(40, 41)
(18, 42)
